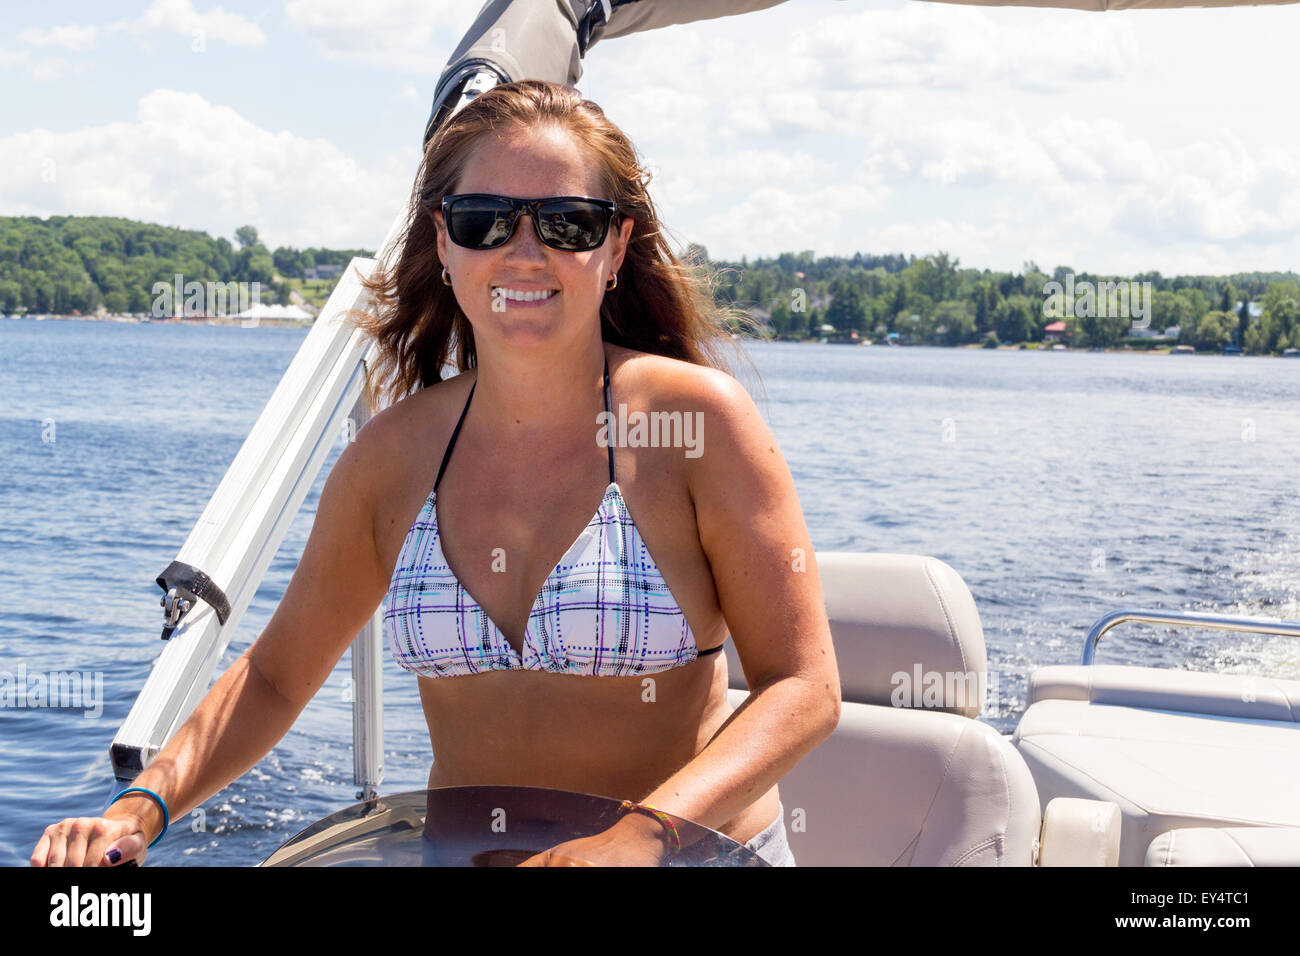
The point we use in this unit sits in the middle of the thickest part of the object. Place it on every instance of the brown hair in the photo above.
(661, 304)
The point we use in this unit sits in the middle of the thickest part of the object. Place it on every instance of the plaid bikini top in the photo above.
(604, 610)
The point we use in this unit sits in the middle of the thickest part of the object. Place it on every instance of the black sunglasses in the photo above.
(567, 223)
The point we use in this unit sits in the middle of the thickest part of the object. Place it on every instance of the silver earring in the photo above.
(446, 276)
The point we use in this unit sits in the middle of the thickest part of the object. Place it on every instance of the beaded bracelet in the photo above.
(674, 838)
(161, 802)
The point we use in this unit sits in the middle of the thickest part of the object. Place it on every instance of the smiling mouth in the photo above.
(529, 295)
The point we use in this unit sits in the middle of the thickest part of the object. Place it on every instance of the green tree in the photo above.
(986, 303)
(899, 305)
(848, 309)
(1279, 319)
(1168, 309)
(246, 236)
(11, 296)
(1214, 329)
(934, 276)
(1104, 331)
(1013, 319)
(956, 319)
(780, 316)
(1228, 298)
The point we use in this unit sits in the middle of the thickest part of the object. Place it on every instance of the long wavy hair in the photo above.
(662, 304)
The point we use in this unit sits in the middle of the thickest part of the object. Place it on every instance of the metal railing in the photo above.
(1221, 622)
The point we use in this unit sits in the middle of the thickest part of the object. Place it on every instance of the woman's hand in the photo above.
(83, 841)
(635, 840)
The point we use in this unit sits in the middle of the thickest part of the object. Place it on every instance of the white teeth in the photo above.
(522, 296)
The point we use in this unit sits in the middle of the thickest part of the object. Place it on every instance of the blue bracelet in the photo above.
(161, 802)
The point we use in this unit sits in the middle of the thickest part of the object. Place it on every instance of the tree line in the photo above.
(83, 263)
(932, 300)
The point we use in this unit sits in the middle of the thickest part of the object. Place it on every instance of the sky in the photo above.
(1115, 142)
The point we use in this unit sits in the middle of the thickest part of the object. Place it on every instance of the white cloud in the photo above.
(1000, 134)
(1135, 140)
(411, 36)
(165, 16)
(933, 46)
(47, 71)
(188, 162)
(13, 58)
(713, 176)
(72, 37)
(921, 237)
(40, 69)
(180, 17)
(775, 218)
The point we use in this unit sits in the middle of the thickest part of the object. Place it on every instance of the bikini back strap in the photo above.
(446, 455)
(609, 424)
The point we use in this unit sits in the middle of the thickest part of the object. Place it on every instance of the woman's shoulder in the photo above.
(711, 408)
(389, 435)
(395, 421)
(669, 383)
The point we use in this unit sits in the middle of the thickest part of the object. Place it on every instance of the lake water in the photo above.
(1059, 485)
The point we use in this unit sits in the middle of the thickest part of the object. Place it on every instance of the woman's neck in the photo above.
(538, 393)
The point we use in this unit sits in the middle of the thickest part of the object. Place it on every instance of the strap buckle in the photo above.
(183, 586)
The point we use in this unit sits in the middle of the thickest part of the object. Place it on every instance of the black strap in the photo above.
(595, 15)
(446, 455)
(193, 585)
(609, 427)
(592, 25)
(713, 650)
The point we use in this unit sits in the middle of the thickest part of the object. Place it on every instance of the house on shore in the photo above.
(321, 272)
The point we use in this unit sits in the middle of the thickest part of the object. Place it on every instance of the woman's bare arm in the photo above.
(753, 532)
(337, 585)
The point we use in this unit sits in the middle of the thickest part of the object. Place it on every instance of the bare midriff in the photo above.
(612, 736)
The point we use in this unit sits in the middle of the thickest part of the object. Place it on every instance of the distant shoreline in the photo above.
(1031, 347)
(301, 324)
(170, 320)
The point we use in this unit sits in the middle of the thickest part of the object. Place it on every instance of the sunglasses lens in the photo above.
(484, 222)
(572, 225)
(479, 223)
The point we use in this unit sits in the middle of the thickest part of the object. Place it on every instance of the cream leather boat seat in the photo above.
(909, 778)
(1176, 750)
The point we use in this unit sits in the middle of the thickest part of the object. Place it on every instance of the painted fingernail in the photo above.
(114, 855)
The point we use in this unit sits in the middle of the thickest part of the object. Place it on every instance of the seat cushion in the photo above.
(897, 786)
(1234, 846)
(906, 633)
(1199, 692)
(1165, 769)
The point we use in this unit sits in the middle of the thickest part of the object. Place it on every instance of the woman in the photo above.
(585, 663)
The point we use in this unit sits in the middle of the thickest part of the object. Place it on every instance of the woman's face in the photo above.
(531, 164)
